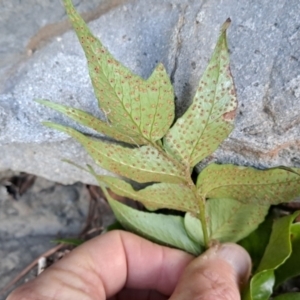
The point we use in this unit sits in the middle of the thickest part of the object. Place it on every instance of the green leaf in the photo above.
(193, 228)
(228, 220)
(163, 229)
(279, 245)
(134, 106)
(288, 296)
(261, 286)
(248, 185)
(141, 164)
(256, 242)
(156, 196)
(69, 241)
(90, 121)
(114, 226)
(75, 165)
(291, 267)
(209, 119)
(277, 252)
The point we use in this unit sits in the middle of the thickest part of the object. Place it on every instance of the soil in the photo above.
(34, 212)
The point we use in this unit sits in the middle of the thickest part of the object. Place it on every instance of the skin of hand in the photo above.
(120, 265)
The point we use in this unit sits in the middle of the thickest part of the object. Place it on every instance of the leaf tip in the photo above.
(41, 101)
(47, 123)
(226, 24)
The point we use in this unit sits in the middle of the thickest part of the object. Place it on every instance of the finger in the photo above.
(103, 266)
(133, 294)
(217, 274)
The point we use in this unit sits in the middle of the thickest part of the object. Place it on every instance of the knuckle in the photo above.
(218, 286)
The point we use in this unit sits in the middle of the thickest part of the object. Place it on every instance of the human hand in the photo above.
(120, 265)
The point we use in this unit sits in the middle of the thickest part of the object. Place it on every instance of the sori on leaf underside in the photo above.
(226, 202)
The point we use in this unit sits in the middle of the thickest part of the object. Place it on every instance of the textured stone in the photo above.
(65, 213)
(264, 44)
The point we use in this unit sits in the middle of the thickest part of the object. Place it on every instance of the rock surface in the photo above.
(265, 60)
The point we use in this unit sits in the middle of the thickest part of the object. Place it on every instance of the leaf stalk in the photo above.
(202, 218)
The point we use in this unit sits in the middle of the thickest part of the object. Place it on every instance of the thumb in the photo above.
(219, 273)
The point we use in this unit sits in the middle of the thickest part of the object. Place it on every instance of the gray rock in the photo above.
(263, 42)
(46, 209)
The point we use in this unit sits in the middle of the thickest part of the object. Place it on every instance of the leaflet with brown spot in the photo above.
(90, 121)
(134, 106)
(142, 164)
(248, 185)
(209, 119)
(156, 196)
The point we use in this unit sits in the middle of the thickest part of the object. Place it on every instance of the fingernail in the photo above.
(237, 257)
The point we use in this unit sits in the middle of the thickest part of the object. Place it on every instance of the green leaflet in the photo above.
(256, 242)
(141, 164)
(69, 241)
(209, 120)
(114, 226)
(89, 120)
(277, 252)
(288, 296)
(161, 195)
(134, 106)
(291, 267)
(163, 229)
(248, 185)
(228, 220)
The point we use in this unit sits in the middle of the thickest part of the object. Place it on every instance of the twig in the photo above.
(94, 218)
(42, 263)
(29, 268)
(93, 230)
